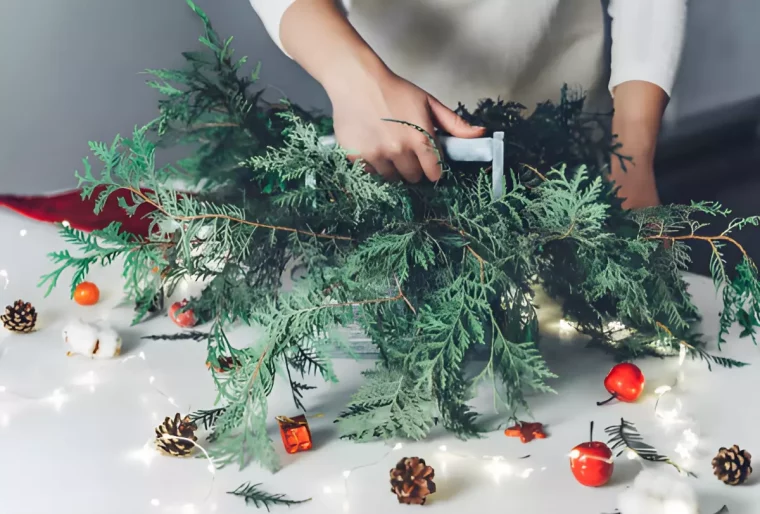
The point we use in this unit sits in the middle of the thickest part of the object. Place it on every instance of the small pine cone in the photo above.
(732, 465)
(19, 317)
(412, 481)
(176, 436)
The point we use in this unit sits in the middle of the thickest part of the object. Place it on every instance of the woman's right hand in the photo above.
(363, 104)
(364, 93)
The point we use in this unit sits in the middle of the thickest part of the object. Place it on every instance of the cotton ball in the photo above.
(99, 342)
(109, 343)
(81, 337)
(658, 492)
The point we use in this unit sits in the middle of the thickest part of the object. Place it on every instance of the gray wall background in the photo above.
(69, 72)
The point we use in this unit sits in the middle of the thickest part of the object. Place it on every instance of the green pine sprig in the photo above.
(625, 437)
(258, 498)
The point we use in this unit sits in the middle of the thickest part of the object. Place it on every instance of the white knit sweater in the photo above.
(523, 50)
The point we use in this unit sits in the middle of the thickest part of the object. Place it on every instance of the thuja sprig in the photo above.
(625, 437)
(253, 495)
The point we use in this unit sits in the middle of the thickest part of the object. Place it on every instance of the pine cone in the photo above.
(412, 481)
(19, 317)
(732, 465)
(179, 428)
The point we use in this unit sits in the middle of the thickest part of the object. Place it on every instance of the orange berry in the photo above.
(86, 293)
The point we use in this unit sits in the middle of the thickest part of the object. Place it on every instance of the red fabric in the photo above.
(70, 206)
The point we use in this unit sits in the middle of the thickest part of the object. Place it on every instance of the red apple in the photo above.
(625, 382)
(591, 462)
(186, 318)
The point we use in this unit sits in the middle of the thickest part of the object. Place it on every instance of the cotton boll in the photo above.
(81, 337)
(100, 342)
(109, 344)
(658, 492)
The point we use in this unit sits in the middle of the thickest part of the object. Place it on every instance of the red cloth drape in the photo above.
(70, 206)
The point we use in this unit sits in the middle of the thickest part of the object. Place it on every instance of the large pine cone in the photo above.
(19, 317)
(176, 437)
(732, 465)
(412, 480)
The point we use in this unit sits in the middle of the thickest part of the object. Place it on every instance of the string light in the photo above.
(498, 468)
(57, 399)
(22, 232)
(4, 275)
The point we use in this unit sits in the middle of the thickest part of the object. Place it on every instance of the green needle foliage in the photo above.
(435, 274)
(626, 437)
(253, 495)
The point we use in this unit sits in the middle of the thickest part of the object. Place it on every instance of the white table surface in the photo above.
(73, 431)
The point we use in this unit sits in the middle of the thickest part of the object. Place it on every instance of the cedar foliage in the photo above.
(431, 272)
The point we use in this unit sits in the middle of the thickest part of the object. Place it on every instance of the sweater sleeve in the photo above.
(271, 13)
(647, 39)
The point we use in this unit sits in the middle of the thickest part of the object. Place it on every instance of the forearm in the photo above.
(317, 35)
(639, 107)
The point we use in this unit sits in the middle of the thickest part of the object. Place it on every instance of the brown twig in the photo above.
(569, 230)
(213, 125)
(449, 226)
(710, 239)
(481, 261)
(534, 170)
(401, 295)
(155, 205)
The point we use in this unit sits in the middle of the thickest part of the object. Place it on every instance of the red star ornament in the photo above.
(526, 431)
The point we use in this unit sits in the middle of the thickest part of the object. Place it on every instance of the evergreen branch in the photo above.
(207, 417)
(700, 353)
(193, 335)
(625, 437)
(252, 494)
(159, 208)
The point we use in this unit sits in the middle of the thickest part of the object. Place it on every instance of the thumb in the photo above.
(451, 122)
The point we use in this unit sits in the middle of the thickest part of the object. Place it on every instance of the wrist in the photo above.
(355, 68)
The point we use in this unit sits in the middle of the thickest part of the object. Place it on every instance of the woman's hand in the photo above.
(393, 150)
(364, 92)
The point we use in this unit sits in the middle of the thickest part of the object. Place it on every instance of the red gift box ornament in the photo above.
(295, 433)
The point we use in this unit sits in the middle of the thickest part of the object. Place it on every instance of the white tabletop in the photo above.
(73, 431)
